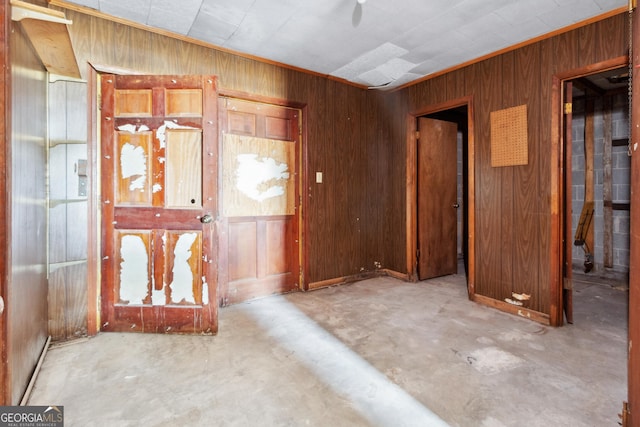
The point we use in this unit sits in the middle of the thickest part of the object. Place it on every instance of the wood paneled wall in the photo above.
(355, 218)
(26, 298)
(513, 204)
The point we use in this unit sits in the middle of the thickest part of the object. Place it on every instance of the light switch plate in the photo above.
(318, 177)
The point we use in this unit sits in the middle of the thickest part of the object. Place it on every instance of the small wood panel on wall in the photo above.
(257, 176)
(509, 142)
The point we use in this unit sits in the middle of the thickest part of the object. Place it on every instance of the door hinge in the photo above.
(300, 200)
(418, 254)
(417, 134)
(568, 107)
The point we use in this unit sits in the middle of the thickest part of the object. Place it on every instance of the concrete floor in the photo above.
(379, 352)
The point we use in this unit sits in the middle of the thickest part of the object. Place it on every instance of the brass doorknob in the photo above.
(206, 219)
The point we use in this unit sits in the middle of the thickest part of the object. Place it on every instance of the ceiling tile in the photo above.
(133, 10)
(369, 61)
(174, 17)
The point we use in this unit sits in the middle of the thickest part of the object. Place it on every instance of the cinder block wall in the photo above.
(621, 188)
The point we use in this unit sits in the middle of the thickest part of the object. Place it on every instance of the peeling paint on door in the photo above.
(161, 132)
(255, 177)
(205, 291)
(133, 163)
(182, 285)
(134, 273)
(158, 297)
(131, 128)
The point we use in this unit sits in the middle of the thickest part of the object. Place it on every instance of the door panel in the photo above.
(437, 198)
(183, 169)
(243, 259)
(132, 172)
(278, 234)
(160, 170)
(260, 193)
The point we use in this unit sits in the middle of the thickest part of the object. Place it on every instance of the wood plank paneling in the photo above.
(68, 301)
(586, 40)
(611, 36)
(488, 183)
(439, 89)
(394, 209)
(565, 52)
(455, 84)
(528, 212)
(510, 91)
(513, 205)
(547, 57)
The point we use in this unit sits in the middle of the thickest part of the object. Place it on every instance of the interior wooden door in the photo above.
(259, 241)
(567, 268)
(159, 204)
(437, 198)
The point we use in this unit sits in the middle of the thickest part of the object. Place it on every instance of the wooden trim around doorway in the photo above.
(557, 184)
(412, 187)
(93, 219)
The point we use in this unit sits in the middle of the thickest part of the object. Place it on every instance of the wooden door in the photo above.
(259, 241)
(437, 198)
(567, 268)
(159, 180)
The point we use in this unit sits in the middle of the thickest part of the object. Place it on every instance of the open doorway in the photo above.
(440, 195)
(596, 183)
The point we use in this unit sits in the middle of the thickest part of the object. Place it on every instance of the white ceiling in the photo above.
(380, 43)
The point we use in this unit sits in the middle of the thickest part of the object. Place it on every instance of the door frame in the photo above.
(412, 187)
(558, 190)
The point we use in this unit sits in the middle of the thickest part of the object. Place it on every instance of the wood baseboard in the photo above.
(356, 278)
(513, 309)
(397, 275)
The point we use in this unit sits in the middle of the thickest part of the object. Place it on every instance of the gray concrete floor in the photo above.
(379, 352)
